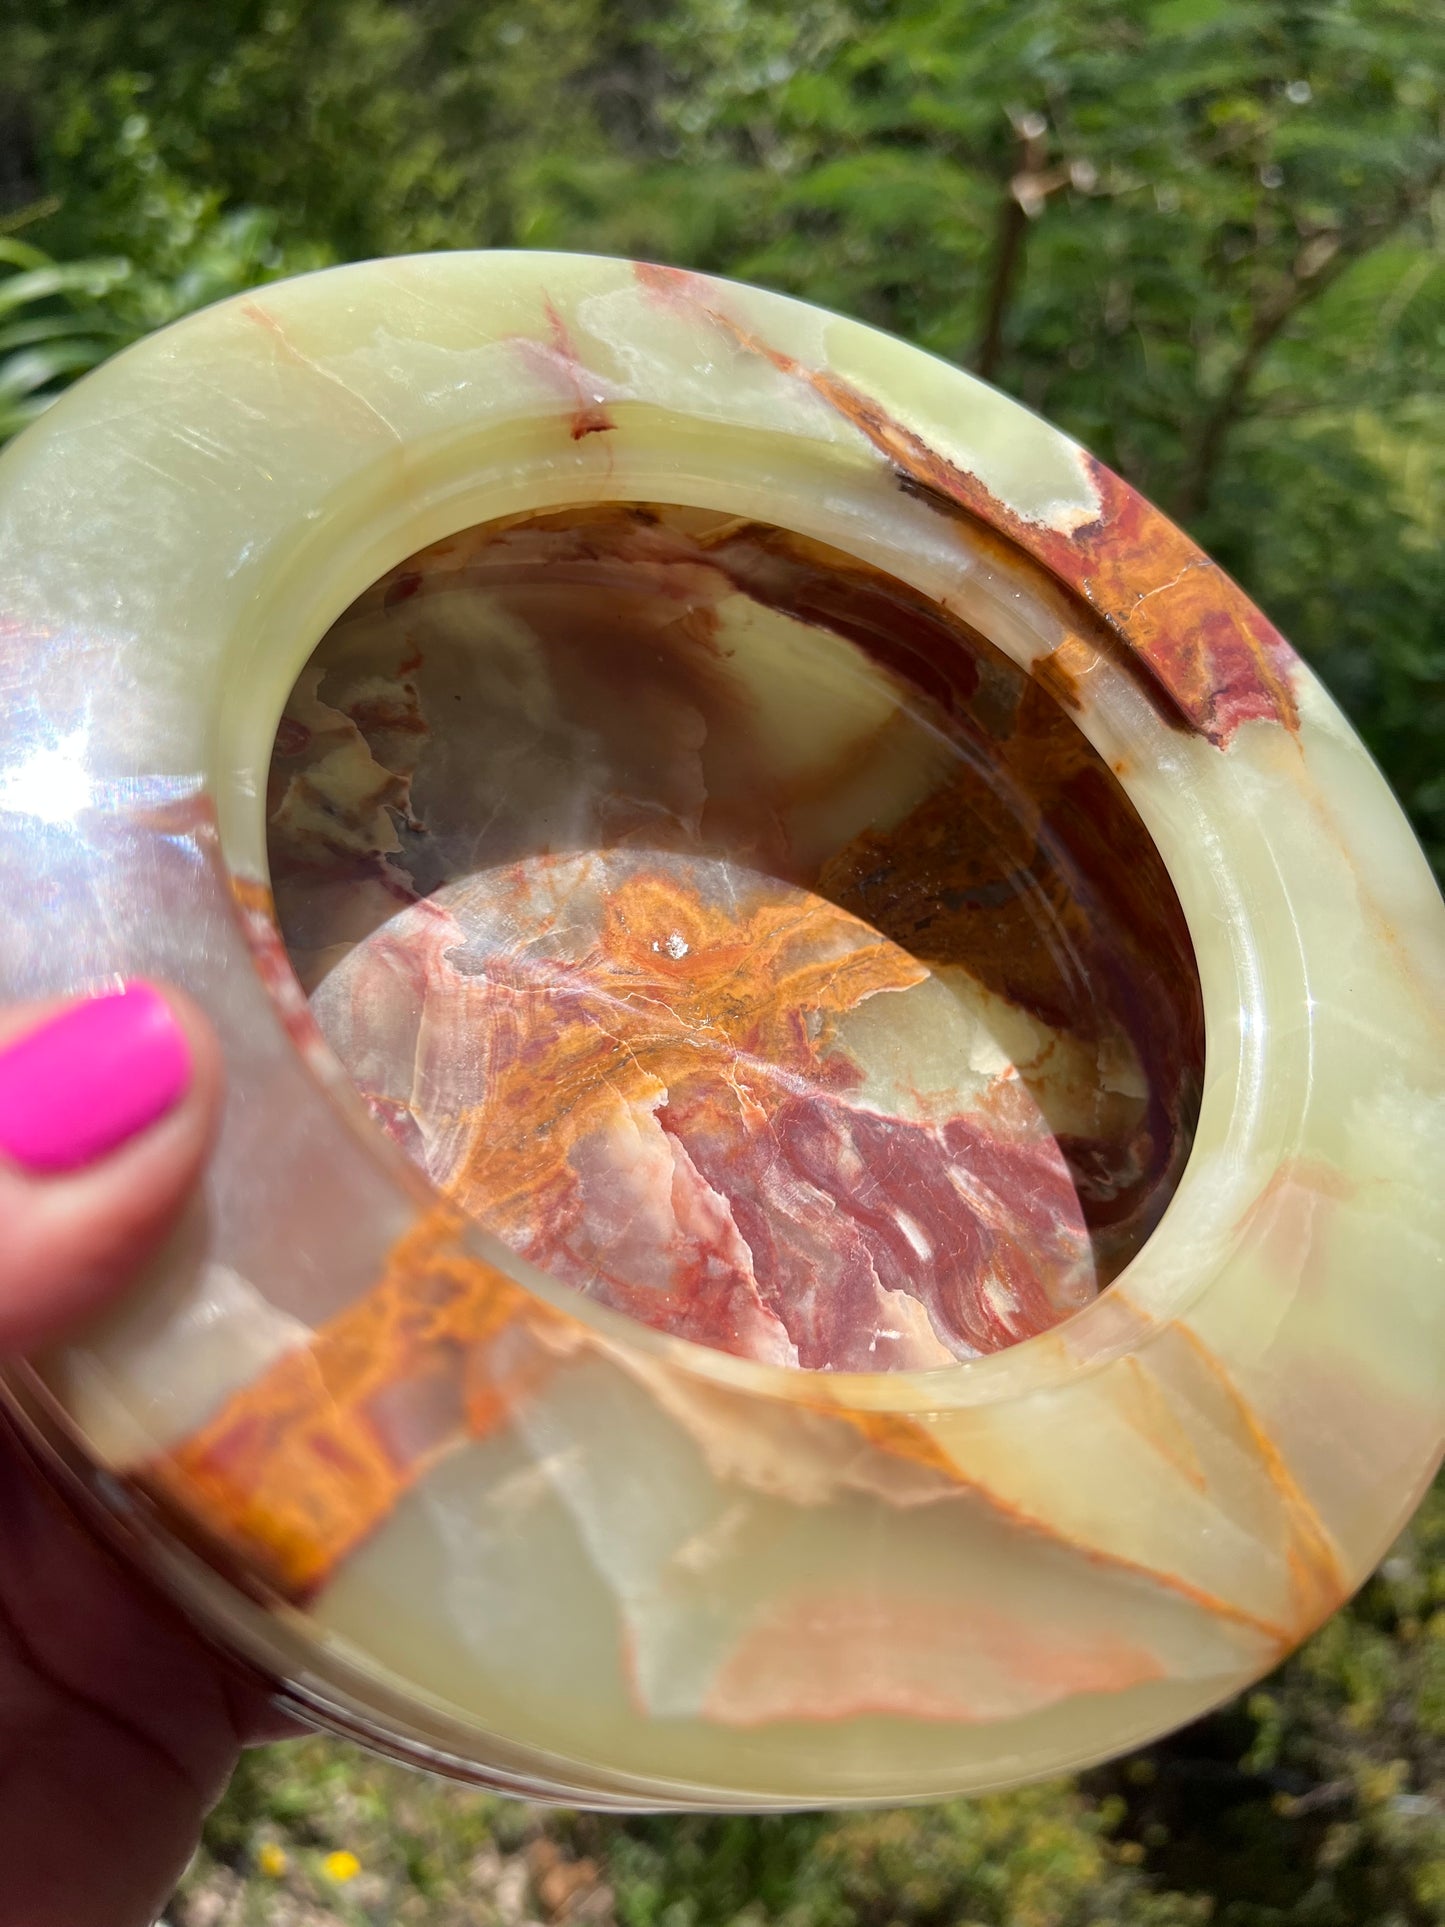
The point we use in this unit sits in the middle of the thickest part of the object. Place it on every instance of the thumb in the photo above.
(107, 1110)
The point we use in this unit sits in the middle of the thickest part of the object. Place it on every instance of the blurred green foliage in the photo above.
(1203, 235)
(56, 321)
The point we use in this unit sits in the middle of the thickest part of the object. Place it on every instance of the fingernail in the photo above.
(86, 1081)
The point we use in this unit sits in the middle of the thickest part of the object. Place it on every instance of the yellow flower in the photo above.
(341, 1867)
(272, 1861)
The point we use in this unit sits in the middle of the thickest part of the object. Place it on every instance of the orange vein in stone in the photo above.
(891, 1436)
(1313, 1542)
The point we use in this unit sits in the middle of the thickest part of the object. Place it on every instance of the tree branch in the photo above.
(1320, 262)
(1022, 199)
(1008, 253)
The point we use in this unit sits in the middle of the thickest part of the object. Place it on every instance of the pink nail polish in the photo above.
(90, 1078)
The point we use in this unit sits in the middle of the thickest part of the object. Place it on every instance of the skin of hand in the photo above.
(118, 1727)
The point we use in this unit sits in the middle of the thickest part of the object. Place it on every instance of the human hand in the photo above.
(118, 1728)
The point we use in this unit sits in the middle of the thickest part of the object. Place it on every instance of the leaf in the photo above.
(89, 278)
(49, 327)
(32, 369)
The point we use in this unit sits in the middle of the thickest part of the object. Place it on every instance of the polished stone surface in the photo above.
(737, 937)
(468, 1509)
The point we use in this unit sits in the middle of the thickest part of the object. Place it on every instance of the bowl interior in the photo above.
(742, 937)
